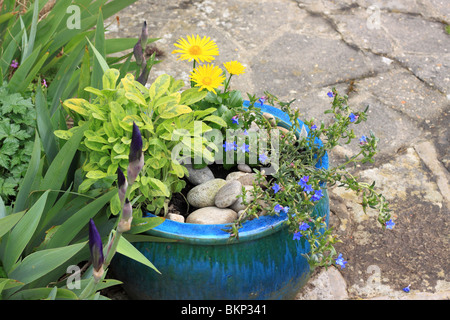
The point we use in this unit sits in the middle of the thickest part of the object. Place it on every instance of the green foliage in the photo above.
(17, 129)
(26, 258)
(226, 105)
(37, 244)
(299, 157)
(160, 112)
(50, 49)
(45, 229)
(58, 192)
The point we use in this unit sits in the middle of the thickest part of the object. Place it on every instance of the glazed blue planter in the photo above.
(204, 264)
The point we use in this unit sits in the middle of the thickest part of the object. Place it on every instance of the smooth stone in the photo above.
(244, 168)
(248, 178)
(199, 176)
(226, 196)
(212, 215)
(283, 129)
(264, 207)
(238, 205)
(254, 126)
(271, 118)
(175, 217)
(284, 132)
(204, 194)
(235, 175)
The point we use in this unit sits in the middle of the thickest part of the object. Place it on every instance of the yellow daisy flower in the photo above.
(208, 77)
(196, 48)
(234, 67)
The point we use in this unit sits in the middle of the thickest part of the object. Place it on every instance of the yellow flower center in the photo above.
(195, 50)
(207, 81)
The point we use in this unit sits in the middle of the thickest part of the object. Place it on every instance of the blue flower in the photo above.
(303, 181)
(304, 226)
(363, 140)
(262, 100)
(353, 117)
(304, 184)
(390, 224)
(230, 146)
(276, 188)
(407, 289)
(313, 127)
(330, 94)
(278, 208)
(245, 132)
(297, 235)
(317, 195)
(340, 261)
(245, 148)
(262, 158)
(308, 188)
(286, 209)
(235, 120)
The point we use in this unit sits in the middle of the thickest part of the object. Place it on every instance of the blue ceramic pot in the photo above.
(265, 263)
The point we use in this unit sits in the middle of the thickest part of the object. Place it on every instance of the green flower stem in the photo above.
(91, 287)
(342, 166)
(244, 212)
(227, 83)
(112, 247)
(115, 234)
(244, 215)
(192, 82)
(383, 214)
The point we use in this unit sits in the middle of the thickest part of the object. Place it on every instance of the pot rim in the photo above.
(214, 234)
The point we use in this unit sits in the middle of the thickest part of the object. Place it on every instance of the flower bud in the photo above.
(143, 77)
(127, 217)
(122, 184)
(127, 210)
(96, 248)
(144, 35)
(138, 53)
(135, 157)
(138, 50)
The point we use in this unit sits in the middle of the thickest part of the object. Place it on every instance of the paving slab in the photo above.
(416, 251)
(393, 55)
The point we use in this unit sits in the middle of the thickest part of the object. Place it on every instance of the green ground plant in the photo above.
(17, 127)
(160, 112)
(44, 225)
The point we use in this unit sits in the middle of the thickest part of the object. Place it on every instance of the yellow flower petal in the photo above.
(234, 67)
(196, 48)
(208, 77)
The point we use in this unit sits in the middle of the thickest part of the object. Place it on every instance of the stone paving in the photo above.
(393, 55)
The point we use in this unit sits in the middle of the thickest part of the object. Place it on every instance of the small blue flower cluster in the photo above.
(308, 188)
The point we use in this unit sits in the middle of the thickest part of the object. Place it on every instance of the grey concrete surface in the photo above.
(393, 55)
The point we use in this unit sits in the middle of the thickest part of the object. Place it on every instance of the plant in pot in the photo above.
(252, 233)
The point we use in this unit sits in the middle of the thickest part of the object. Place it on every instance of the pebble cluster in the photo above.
(217, 201)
